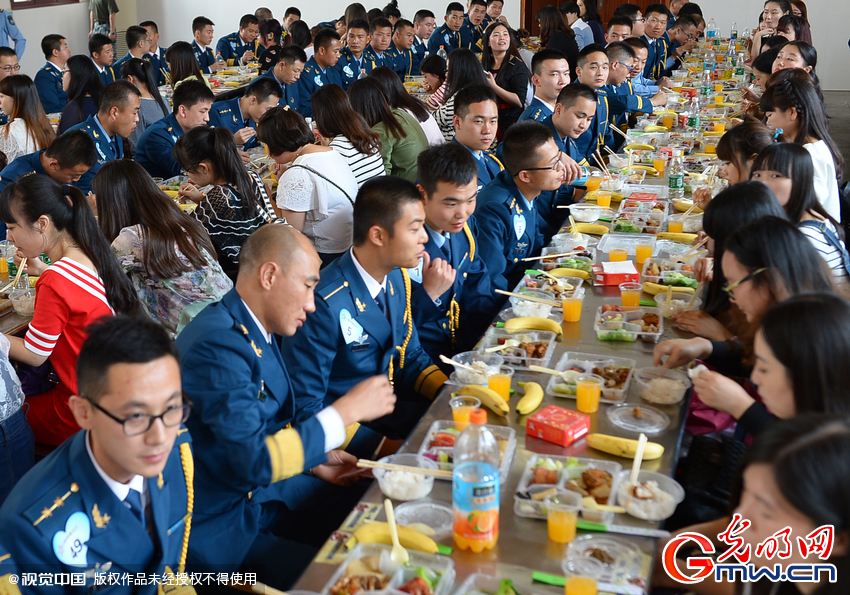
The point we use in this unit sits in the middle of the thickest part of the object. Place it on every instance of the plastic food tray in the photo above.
(647, 222)
(166, 184)
(576, 282)
(442, 564)
(667, 265)
(534, 509)
(519, 362)
(629, 315)
(662, 192)
(627, 242)
(440, 425)
(563, 261)
(644, 206)
(588, 361)
(565, 242)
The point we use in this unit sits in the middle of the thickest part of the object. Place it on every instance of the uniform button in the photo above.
(516, 259)
(444, 325)
(464, 275)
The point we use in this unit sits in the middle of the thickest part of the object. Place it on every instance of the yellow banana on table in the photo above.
(379, 532)
(488, 397)
(684, 238)
(532, 399)
(640, 147)
(533, 323)
(565, 272)
(623, 447)
(682, 206)
(593, 229)
(647, 168)
(655, 289)
(615, 196)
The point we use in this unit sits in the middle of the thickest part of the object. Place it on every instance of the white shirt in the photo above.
(119, 489)
(329, 418)
(826, 184)
(546, 103)
(431, 129)
(371, 284)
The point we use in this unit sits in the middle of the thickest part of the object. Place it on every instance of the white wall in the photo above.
(70, 20)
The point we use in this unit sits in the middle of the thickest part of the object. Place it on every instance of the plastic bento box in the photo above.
(662, 192)
(484, 584)
(517, 356)
(566, 242)
(443, 454)
(645, 206)
(560, 290)
(586, 362)
(606, 321)
(442, 565)
(627, 242)
(566, 469)
(644, 222)
(582, 263)
(653, 268)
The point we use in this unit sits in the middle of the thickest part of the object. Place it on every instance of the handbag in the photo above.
(326, 179)
(36, 380)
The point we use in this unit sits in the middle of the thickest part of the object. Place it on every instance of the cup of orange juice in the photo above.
(588, 392)
(630, 294)
(720, 127)
(603, 198)
(659, 162)
(501, 383)
(562, 515)
(719, 99)
(461, 408)
(668, 122)
(4, 247)
(718, 87)
(593, 182)
(675, 225)
(617, 256)
(643, 252)
(582, 574)
(572, 309)
(711, 148)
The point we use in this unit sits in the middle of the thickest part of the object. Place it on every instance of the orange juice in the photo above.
(603, 199)
(630, 294)
(572, 309)
(675, 226)
(4, 265)
(711, 149)
(501, 383)
(643, 252)
(659, 165)
(593, 183)
(719, 99)
(561, 525)
(588, 392)
(580, 585)
(718, 87)
(720, 127)
(476, 546)
(668, 122)
(461, 408)
(617, 256)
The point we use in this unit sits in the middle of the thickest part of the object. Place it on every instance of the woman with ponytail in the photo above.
(84, 284)
(237, 203)
(141, 74)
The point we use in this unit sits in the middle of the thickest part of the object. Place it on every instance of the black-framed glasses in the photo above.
(12, 68)
(140, 423)
(553, 167)
(730, 289)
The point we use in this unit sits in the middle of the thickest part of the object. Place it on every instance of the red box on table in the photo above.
(557, 425)
(646, 196)
(627, 274)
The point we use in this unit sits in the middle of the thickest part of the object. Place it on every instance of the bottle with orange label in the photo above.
(475, 486)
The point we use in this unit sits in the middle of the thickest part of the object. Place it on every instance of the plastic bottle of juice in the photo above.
(676, 176)
(475, 486)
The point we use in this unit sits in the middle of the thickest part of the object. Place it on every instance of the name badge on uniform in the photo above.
(447, 38)
(70, 545)
(347, 70)
(318, 80)
(416, 272)
(352, 331)
(519, 225)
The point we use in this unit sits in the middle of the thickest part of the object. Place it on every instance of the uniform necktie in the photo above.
(447, 249)
(113, 146)
(133, 501)
(381, 300)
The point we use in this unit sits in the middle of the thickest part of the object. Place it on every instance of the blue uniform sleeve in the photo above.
(15, 34)
(416, 361)
(492, 234)
(154, 154)
(305, 90)
(46, 89)
(424, 308)
(627, 103)
(223, 48)
(478, 299)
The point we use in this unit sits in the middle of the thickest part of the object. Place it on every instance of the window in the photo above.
(21, 4)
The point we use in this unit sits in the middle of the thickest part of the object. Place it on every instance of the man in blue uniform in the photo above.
(66, 160)
(448, 35)
(683, 37)
(377, 53)
(241, 114)
(476, 120)
(320, 69)
(9, 30)
(550, 72)
(658, 40)
(191, 105)
(156, 55)
(592, 71)
(619, 29)
(472, 29)
(138, 46)
(352, 60)
(203, 31)
(673, 12)
(452, 299)
(286, 73)
(252, 428)
(639, 83)
(406, 60)
(508, 227)
(242, 46)
(423, 26)
(574, 112)
(102, 54)
(363, 322)
(48, 80)
(115, 497)
(9, 573)
(622, 100)
(115, 120)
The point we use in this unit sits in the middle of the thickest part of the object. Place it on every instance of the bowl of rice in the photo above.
(405, 485)
(484, 364)
(661, 386)
(523, 307)
(653, 498)
(23, 301)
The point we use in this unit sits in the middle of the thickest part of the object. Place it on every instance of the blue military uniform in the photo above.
(657, 56)
(244, 404)
(9, 30)
(546, 204)
(65, 518)
(385, 59)
(108, 148)
(444, 325)
(153, 151)
(450, 40)
(623, 101)
(349, 339)
(507, 231)
(311, 79)
(160, 66)
(406, 61)
(204, 57)
(231, 48)
(22, 166)
(228, 114)
(471, 36)
(119, 63)
(288, 93)
(420, 48)
(488, 165)
(8, 569)
(598, 134)
(109, 74)
(536, 110)
(48, 83)
(350, 67)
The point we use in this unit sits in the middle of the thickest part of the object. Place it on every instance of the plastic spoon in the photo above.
(506, 345)
(638, 458)
(566, 375)
(398, 554)
(451, 362)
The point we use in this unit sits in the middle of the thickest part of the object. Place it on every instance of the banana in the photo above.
(623, 447)
(640, 147)
(379, 532)
(532, 399)
(655, 289)
(533, 323)
(655, 129)
(647, 168)
(488, 397)
(593, 229)
(563, 272)
(683, 206)
(615, 196)
(684, 238)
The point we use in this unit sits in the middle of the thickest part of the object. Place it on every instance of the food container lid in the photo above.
(586, 567)
(436, 516)
(651, 422)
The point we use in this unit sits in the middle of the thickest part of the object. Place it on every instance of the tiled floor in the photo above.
(838, 109)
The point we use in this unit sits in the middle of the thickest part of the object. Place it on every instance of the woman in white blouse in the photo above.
(316, 188)
(28, 129)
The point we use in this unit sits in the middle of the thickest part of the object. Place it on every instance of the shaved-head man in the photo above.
(251, 431)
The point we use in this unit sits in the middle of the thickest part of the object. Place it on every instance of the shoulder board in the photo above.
(56, 504)
(496, 159)
(332, 290)
(183, 436)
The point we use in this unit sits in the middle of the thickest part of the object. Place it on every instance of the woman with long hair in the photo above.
(167, 254)
(271, 33)
(345, 131)
(556, 34)
(28, 129)
(83, 84)
(152, 107)
(299, 31)
(464, 68)
(401, 136)
(794, 29)
(506, 73)
(391, 12)
(182, 63)
(84, 284)
(791, 104)
(433, 70)
(787, 169)
(399, 98)
(799, 9)
(798, 54)
(237, 203)
(590, 14)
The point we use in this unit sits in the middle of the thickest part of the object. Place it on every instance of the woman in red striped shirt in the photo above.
(84, 283)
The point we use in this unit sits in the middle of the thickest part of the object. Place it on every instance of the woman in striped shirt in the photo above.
(788, 170)
(84, 284)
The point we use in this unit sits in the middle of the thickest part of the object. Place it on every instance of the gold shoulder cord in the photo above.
(189, 474)
(408, 319)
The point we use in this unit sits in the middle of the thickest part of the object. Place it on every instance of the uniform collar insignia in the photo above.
(100, 521)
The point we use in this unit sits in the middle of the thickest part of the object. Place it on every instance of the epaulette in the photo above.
(496, 159)
(329, 292)
(43, 513)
